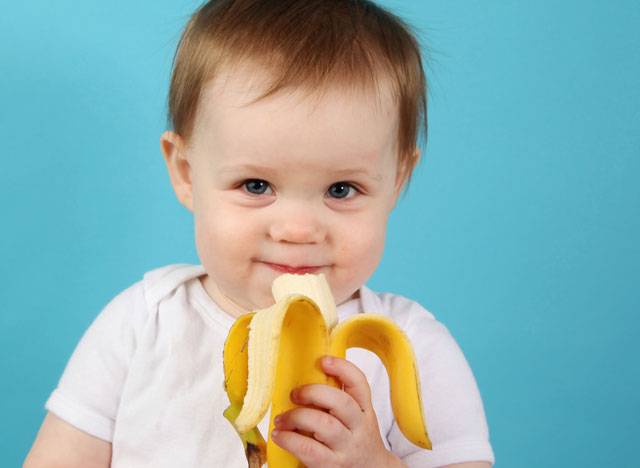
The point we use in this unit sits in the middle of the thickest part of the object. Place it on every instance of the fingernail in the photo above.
(275, 433)
(277, 420)
(328, 360)
(294, 394)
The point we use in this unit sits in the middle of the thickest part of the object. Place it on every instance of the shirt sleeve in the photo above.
(88, 393)
(453, 408)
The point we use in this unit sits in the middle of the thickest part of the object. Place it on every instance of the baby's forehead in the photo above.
(335, 114)
(234, 116)
(245, 85)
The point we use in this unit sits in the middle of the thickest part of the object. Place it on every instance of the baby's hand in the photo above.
(345, 436)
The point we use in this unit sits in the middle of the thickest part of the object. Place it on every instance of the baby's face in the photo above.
(289, 184)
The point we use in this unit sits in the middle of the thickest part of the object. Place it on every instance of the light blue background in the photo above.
(520, 230)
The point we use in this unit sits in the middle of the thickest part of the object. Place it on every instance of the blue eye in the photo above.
(256, 186)
(341, 190)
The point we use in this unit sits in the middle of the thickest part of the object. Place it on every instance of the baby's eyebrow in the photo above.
(356, 172)
(246, 168)
(349, 172)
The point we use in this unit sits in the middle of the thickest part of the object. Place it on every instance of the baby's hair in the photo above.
(307, 44)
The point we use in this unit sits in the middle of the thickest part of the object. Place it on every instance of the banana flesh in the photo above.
(271, 351)
(314, 287)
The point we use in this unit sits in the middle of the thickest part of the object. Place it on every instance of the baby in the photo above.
(293, 132)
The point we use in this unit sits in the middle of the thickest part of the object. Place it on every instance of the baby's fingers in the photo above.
(339, 404)
(322, 426)
(353, 380)
(309, 451)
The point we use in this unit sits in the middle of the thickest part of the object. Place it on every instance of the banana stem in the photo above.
(255, 456)
(255, 447)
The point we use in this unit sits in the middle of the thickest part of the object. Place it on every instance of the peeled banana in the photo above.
(270, 352)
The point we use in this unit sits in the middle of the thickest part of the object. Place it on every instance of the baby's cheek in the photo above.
(367, 239)
(360, 254)
(220, 225)
(214, 240)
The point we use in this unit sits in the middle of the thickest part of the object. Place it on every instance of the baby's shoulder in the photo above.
(161, 282)
(135, 304)
(401, 305)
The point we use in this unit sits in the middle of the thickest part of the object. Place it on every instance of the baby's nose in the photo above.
(299, 227)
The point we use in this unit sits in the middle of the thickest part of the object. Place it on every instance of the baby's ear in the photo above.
(173, 148)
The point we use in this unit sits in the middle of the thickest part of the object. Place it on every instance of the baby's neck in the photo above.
(223, 302)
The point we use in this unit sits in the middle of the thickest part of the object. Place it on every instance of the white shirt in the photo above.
(147, 376)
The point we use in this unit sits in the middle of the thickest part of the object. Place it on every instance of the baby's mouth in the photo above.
(295, 270)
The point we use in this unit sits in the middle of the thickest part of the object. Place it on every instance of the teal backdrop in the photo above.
(520, 230)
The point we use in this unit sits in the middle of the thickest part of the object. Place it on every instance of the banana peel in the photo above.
(270, 352)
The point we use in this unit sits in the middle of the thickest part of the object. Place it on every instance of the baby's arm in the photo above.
(59, 444)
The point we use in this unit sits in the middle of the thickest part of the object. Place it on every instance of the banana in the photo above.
(271, 351)
(235, 384)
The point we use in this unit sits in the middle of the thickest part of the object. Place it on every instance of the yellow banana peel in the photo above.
(270, 352)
